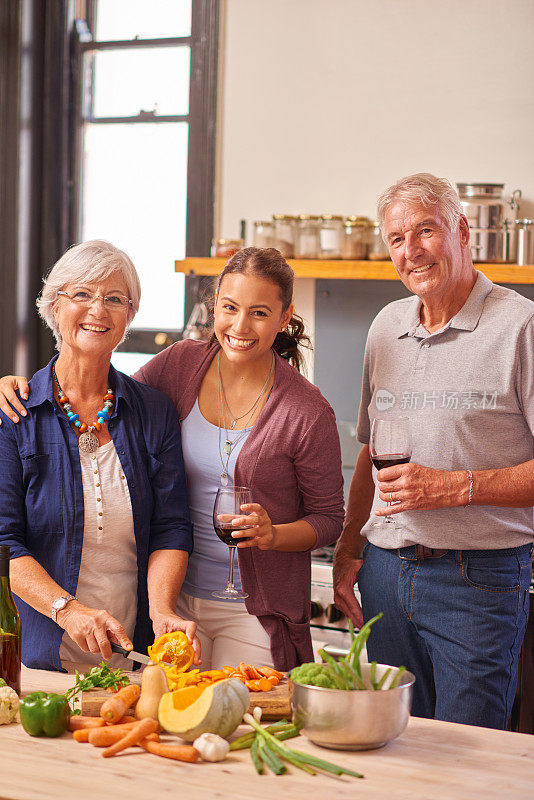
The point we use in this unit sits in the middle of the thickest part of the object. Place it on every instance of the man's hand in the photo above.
(167, 622)
(345, 572)
(411, 487)
(92, 628)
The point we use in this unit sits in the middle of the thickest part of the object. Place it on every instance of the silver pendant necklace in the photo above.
(229, 446)
(88, 440)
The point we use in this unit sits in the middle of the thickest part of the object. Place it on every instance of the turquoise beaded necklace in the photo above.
(88, 441)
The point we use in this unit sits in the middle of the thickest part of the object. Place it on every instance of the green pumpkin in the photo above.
(192, 711)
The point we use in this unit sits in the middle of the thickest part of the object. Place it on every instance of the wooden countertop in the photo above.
(355, 270)
(431, 760)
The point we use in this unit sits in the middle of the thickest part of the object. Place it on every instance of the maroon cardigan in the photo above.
(292, 461)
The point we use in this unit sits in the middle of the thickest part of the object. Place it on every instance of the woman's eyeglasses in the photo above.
(113, 301)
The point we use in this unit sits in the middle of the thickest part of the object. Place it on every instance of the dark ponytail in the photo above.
(269, 264)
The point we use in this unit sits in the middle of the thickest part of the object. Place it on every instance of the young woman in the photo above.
(248, 417)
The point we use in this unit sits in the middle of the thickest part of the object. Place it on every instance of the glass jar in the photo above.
(330, 236)
(356, 239)
(307, 236)
(263, 235)
(378, 250)
(284, 234)
(225, 248)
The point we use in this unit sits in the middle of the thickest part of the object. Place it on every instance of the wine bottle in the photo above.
(10, 631)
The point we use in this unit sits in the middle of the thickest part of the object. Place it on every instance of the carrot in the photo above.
(180, 752)
(268, 671)
(243, 669)
(79, 722)
(137, 733)
(273, 680)
(113, 709)
(257, 673)
(109, 736)
(123, 720)
(101, 733)
(83, 734)
(230, 671)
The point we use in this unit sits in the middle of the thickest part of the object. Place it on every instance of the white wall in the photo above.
(323, 103)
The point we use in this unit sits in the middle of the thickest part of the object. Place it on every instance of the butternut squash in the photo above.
(153, 687)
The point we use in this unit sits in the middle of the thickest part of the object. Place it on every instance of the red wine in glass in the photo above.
(390, 460)
(389, 446)
(225, 534)
(227, 506)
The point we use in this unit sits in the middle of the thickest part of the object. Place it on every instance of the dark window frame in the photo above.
(202, 121)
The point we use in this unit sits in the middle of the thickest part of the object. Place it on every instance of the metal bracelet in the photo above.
(470, 478)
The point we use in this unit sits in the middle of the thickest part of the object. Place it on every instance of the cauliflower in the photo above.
(9, 705)
(316, 675)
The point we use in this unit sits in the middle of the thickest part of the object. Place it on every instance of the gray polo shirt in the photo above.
(468, 391)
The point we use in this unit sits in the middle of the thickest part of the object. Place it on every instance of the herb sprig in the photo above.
(100, 677)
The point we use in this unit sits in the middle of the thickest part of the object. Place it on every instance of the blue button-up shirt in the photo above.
(42, 505)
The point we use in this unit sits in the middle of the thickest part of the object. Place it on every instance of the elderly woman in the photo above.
(93, 502)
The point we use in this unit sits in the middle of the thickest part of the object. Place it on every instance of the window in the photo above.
(141, 167)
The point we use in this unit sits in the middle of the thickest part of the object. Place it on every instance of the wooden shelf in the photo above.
(355, 270)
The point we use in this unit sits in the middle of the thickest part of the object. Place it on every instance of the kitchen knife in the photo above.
(131, 654)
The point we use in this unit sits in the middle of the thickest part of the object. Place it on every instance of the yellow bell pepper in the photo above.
(173, 649)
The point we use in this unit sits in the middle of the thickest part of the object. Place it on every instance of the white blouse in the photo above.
(108, 569)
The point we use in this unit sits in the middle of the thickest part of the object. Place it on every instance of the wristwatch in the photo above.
(59, 604)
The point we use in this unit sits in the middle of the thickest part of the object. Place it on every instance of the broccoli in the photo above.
(317, 675)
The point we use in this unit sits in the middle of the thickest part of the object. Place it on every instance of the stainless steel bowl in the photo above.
(358, 720)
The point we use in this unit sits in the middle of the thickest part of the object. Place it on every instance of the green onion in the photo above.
(337, 669)
(372, 674)
(282, 730)
(396, 679)
(256, 760)
(383, 679)
(296, 757)
(270, 758)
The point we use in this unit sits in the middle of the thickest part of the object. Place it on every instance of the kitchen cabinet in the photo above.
(433, 759)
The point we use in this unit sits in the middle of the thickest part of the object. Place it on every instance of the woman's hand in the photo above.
(92, 628)
(258, 528)
(8, 398)
(167, 622)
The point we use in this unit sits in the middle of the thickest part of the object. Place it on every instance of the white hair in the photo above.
(426, 189)
(87, 262)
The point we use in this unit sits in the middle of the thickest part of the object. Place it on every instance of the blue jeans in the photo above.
(457, 622)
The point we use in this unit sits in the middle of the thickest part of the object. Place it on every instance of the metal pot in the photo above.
(484, 204)
(494, 244)
(525, 242)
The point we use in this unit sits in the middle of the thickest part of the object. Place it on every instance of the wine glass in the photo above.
(390, 445)
(228, 506)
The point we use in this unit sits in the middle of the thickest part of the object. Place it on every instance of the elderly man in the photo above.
(452, 574)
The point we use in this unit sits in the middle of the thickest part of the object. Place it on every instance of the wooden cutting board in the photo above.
(275, 704)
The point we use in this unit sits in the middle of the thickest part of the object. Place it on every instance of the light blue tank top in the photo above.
(207, 569)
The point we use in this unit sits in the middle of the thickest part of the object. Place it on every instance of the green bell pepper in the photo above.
(44, 714)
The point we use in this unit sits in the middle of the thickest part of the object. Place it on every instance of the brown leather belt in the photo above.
(422, 552)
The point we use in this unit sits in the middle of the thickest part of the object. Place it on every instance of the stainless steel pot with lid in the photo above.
(484, 204)
(491, 219)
